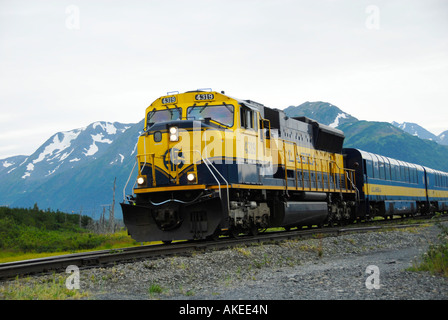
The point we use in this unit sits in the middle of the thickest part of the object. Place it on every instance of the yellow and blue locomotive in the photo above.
(209, 164)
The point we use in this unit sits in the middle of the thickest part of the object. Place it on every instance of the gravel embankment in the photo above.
(326, 268)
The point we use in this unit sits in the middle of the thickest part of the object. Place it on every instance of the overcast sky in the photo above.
(66, 64)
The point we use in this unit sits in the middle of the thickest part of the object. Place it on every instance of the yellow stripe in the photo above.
(438, 194)
(382, 190)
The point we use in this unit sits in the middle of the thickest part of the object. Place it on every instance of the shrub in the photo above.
(436, 259)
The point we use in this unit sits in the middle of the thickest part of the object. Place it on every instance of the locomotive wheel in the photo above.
(253, 230)
(215, 235)
(234, 232)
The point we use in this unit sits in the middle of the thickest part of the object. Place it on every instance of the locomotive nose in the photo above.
(173, 220)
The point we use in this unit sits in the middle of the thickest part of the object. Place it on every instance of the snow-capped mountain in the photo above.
(56, 167)
(332, 116)
(443, 138)
(10, 164)
(418, 131)
(323, 112)
(415, 130)
(65, 150)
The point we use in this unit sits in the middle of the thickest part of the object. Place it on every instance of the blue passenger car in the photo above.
(437, 189)
(387, 186)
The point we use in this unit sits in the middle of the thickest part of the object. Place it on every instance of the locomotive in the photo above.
(209, 164)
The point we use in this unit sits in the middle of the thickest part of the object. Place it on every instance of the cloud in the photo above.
(125, 55)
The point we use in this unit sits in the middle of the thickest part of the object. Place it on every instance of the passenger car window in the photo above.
(387, 170)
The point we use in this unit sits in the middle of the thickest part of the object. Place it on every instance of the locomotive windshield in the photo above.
(163, 116)
(220, 113)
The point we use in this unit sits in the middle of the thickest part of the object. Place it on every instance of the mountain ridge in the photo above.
(417, 130)
(326, 113)
(50, 178)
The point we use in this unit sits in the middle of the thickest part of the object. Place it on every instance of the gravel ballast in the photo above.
(335, 268)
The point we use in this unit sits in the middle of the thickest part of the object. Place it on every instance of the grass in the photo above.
(8, 256)
(34, 233)
(108, 242)
(28, 289)
(243, 251)
(435, 260)
(155, 289)
(111, 242)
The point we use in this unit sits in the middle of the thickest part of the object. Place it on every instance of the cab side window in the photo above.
(248, 118)
(243, 115)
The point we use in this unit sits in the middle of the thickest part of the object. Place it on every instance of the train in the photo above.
(209, 164)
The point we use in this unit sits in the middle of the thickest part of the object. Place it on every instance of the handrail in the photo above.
(348, 178)
(129, 178)
(207, 163)
(176, 200)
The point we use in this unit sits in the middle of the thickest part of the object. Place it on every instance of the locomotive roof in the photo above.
(376, 157)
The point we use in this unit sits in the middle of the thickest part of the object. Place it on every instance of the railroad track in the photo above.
(108, 257)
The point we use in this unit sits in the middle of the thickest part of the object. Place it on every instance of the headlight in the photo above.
(191, 177)
(174, 134)
(173, 130)
(141, 181)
